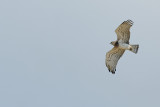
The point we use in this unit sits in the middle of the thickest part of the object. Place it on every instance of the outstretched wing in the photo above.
(112, 58)
(123, 32)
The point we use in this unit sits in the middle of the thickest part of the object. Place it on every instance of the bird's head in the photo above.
(114, 43)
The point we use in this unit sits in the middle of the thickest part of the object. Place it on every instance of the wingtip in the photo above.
(130, 22)
(112, 71)
(109, 70)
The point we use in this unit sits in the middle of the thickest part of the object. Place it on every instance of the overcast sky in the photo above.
(52, 53)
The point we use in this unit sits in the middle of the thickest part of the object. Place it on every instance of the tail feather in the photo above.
(134, 48)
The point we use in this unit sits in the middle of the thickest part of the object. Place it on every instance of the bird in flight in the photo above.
(120, 45)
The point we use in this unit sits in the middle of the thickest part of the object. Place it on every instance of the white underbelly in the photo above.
(124, 46)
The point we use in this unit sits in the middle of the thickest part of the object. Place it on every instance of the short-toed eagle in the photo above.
(120, 45)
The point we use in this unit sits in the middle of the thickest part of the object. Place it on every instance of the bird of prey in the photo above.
(120, 45)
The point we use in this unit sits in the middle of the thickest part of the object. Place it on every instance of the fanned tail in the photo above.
(134, 48)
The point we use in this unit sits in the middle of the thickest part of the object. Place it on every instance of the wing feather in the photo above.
(112, 58)
(123, 31)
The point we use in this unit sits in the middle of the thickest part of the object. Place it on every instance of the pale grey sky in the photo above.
(52, 53)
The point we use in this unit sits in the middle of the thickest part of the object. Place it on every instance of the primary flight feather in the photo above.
(120, 45)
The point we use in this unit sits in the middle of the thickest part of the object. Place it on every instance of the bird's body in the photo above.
(124, 46)
(120, 45)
